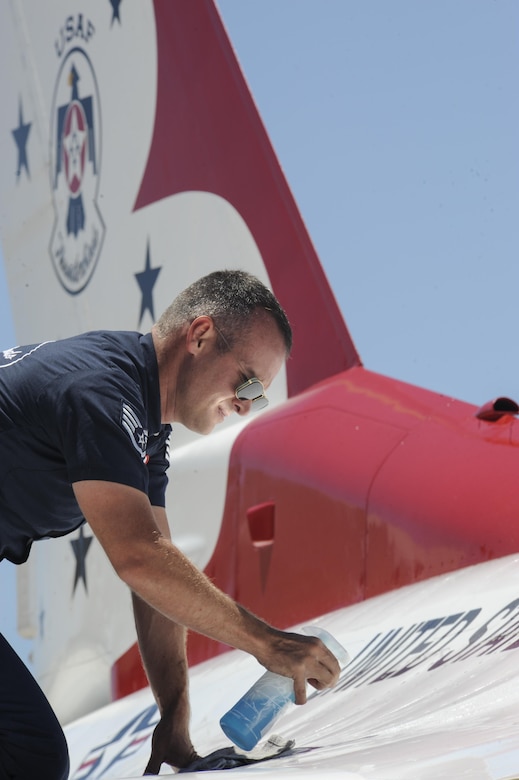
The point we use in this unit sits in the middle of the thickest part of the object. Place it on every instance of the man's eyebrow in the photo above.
(246, 371)
(250, 372)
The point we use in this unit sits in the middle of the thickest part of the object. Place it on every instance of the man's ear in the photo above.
(200, 332)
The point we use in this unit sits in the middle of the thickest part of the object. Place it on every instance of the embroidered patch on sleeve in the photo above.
(13, 355)
(135, 430)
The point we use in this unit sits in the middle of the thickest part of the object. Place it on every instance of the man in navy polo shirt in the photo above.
(86, 421)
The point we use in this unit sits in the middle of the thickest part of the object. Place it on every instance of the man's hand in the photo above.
(170, 744)
(304, 659)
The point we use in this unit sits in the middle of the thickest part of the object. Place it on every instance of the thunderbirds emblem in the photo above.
(75, 166)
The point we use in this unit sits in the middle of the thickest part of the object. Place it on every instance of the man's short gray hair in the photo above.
(232, 299)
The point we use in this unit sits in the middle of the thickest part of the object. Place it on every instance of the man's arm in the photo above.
(166, 581)
(162, 644)
(122, 519)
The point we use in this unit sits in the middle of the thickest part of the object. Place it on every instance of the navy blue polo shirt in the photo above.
(87, 407)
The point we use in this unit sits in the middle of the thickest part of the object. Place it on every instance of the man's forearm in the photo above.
(162, 645)
(163, 649)
(175, 587)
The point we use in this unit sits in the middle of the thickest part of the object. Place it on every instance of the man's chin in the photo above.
(207, 426)
(201, 430)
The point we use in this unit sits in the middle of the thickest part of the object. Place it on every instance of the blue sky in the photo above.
(397, 126)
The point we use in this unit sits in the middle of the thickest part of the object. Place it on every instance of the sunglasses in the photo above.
(252, 390)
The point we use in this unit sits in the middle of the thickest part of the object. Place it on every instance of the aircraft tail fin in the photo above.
(208, 136)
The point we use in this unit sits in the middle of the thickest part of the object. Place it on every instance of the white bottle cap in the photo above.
(331, 643)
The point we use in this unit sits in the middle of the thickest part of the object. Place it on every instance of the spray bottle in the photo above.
(251, 717)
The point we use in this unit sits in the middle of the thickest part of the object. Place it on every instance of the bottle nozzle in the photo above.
(331, 643)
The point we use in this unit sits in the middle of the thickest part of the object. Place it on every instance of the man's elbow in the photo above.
(133, 567)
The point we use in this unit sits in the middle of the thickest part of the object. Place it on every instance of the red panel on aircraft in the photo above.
(304, 473)
(447, 498)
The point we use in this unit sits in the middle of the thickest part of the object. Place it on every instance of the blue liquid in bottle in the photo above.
(256, 711)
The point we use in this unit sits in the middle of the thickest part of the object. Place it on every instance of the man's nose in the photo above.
(242, 407)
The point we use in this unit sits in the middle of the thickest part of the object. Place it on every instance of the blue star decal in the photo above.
(20, 135)
(80, 547)
(115, 10)
(146, 280)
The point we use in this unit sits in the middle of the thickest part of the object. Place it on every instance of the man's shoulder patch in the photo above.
(134, 428)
